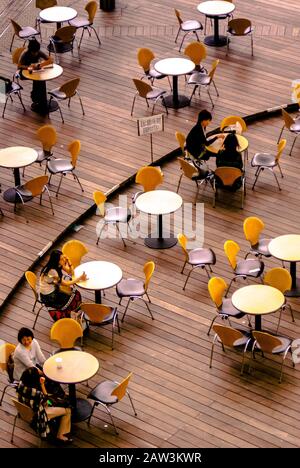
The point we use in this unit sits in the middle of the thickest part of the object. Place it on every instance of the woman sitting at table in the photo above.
(57, 286)
(32, 392)
(229, 155)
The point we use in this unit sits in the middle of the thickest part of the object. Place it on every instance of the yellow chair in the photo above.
(15, 56)
(114, 216)
(31, 279)
(150, 177)
(204, 79)
(197, 258)
(66, 91)
(249, 268)
(281, 279)
(149, 93)
(231, 338)
(33, 188)
(86, 23)
(100, 315)
(145, 56)
(239, 27)
(262, 161)
(48, 137)
(136, 289)
(65, 166)
(108, 393)
(217, 288)
(74, 250)
(231, 121)
(229, 178)
(181, 139)
(188, 26)
(6, 351)
(253, 228)
(66, 332)
(196, 51)
(271, 344)
(191, 172)
(23, 33)
(292, 125)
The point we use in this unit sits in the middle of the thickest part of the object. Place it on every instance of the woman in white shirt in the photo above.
(27, 353)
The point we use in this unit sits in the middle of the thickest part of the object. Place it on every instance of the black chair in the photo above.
(10, 88)
(63, 41)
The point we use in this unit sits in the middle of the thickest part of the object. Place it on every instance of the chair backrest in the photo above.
(145, 56)
(74, 250)
(217, 288)
(142, 87)
(227, 335)
(213, 69)
(70, 87)
(95, 312)
(240, 26)
(196, 51)
(120, 390)
(253, 227)
(31, 279)
(266, 341)
(65, 34)
(182, 239)
(100, 199)
(279, 278)
(178, 16)
(280, 148)
(74, 150)
(288, 120)
(188, 169)
(6, 349)
(232, 120)
(91, 8)
(148, 269)
(228, 175)
(66, 331)
(15, 56)
(149, 177)
(42, 4)
(47, 136)
(181, 139)
(36, 185)
(16, 26)
(231, 250)
(25, 412)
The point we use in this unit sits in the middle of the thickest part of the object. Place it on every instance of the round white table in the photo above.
(287, 248)
(159, 202)
(74, 367)
(41, 76)
(58, 15)
(216, 9)
(175, 67)
(100, 276)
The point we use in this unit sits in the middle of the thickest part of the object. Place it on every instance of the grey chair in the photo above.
(262, 161)
(100, 315)
(292, 125)
(149, 93)
(63, 41)
(11, 88)
(86, 23)
(64, 92)
(24, 33)
(199, 79)
(239, 27)
(187, 27)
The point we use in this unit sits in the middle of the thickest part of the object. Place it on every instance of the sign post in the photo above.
(149, 125)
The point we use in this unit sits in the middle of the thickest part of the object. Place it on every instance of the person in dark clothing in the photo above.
(196, 140)
(230, 156)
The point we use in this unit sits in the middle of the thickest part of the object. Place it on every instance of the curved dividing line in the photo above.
(251, 118)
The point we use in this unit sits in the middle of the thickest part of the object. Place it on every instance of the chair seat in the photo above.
(27, 31)
(295, 127)
(42, 155)
(262, 247)
(285, 343)
(102, 392)
(240, 341)
(117, 214)
(235, 33)
(202, 256)
(201, 174)
(191, 25)
(263, 159)
(249, 267)
(199, 78)
(108, 319)
(228, 308)
(57, 93)
(60, 47)
(80, 22)
(130, 287)
(155, 93)
(59, 165)
(14, 87)
(155, 74)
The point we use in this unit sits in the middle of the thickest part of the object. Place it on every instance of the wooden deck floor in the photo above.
(180, 402)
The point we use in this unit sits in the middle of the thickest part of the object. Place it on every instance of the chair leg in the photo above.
(279, 321)
(58, 188)
(125, 311)
(177, 34)
(212, 322)
(183, 267)
(194, 90)
(280, 134)
(216, 89)
(164, 103)
(37, 316)
(279, 167)
(117, 226)
(133, 102)
(77, 179)
(83, 113)
(187, 278)
(210, 98)
(290, 153)
(79, 43)
(276, 178)
(4, 107)
(111, 418)
(12, 41)
(92, 27)
(148, 297)
(256, 177)
(20, 98)
(147, 305)
(179, 182)
(130, 399)
(13, 431)
(60, 111)
(252, 44)
(182, 41)
(211, 355)
(3, 393)
(97, 242)
(89, 420)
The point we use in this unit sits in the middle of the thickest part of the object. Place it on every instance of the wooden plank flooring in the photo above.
(180, 402)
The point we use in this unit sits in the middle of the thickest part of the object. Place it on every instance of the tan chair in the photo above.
(230, 122)
(228, 178)
(187, 27)
(145, 56)
(204, 79)
(239, 27)
(149, 93)
(31, 279)
(281, 279)
(150, 177)
(31, 189)
(63, 41)
(231, 338)
(23, 33)
(65, 91)
(259, 247)
(108, 393)
(66, 332)
(86, 23)
(196, 51)
(74, 250)
(292, 125)
(6, 351)
(15, 57)
(100, 315)
(271, 344)
(262, 161)
(24, 412)
(181, 139)
(48, 137)
(199, 176)
(41, 5)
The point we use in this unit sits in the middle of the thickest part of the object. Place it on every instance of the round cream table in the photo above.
(287, 248)
(217, 144)
(159, 202)
(58, 15)
(41, 76)
(216, 10)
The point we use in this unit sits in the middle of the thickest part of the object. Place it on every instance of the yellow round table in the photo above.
(258, 300)
(287, 248)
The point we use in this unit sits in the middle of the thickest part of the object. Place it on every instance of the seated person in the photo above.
(229, 154)
(32, 392)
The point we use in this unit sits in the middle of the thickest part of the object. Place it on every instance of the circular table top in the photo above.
(76, 366)
(216, 8)
(174, 66)
(14, 157)
(286, 247)
(158, 202)
(216, 145)
(258, 299)
(58, 14)
(101, 275)
(44, 74)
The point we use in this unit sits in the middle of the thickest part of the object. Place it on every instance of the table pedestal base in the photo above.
(82, 411)
(160, 242)
(44, 108)
(182, 101)
(221, 41)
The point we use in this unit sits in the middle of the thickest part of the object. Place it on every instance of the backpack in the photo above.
(10, 365)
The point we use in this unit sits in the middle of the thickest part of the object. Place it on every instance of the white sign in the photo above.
(152, 124)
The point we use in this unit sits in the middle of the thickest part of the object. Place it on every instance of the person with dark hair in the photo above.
(32, 392)
(229, 154)
(196, 140)
(57, 292)
(27, 354)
